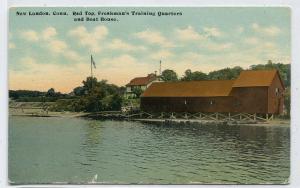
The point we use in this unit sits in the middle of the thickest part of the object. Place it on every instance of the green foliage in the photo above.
(62, 105)
(131, 102)
(197, 75)
(169, 75)
(287, 101)
(116, 102)
(79, 91)
(225, 74)
(89, 84)
(137, 91)
(37, 96)
(97, 96)
(15, 94)
(50, 93)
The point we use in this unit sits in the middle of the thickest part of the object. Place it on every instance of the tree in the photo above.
(225, 74)
(197, 75)
(116, 102)
(287, 101)
(89, 83)
(79, 91)
(97, 96)
(169, 75)
(137, 91)
(50, 92)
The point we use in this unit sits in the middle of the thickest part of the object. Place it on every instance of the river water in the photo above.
(75, 150)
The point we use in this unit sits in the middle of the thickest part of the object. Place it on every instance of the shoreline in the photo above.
(38, 113)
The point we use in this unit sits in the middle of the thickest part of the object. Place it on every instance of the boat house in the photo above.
(253, 92)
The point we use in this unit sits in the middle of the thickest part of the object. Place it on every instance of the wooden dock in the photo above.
(201, 118)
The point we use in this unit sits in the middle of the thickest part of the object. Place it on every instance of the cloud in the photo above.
(89, 39)
(48, 38)
(27, 61)
(154, 37)
(212, 32)
(121, 69)
(240, 29)
(41, 77)
(33, 36)
(11, 45)
(217, 46)
(72, 55)
(161, 55)
(269, 45)
(57, 46)
(269, 30)
(48, 33)
(30, 35)
(118, 44)
(251, 40)
(188, 34)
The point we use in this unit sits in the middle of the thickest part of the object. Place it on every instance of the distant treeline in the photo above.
(36, 96)
(228, 73)
(96, 95)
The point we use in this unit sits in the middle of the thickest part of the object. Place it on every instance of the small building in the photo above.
(252, 92)
(139, 83)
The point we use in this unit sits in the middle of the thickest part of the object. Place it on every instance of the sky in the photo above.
(54, 51)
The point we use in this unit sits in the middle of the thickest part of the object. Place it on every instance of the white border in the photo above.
(295, 100)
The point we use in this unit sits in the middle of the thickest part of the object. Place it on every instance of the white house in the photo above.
(139, 82)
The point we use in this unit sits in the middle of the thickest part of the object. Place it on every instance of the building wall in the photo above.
(250, 99)
(275, 96)
(183, 104)
(242, 99)
(246, 100)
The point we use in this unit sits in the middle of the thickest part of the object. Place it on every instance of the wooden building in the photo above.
(139, 82)
(252, 92)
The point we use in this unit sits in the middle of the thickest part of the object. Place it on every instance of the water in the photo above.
(74, 150)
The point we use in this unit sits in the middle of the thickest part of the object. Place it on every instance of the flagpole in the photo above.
(91, 66)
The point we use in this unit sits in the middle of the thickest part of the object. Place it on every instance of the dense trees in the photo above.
(96, 95)
(137, 91)
(225, 74)
(169, 75)
(36, 96)
(197, 75)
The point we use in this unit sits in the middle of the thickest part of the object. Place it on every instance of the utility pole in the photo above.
(159, 76)
(159, 67)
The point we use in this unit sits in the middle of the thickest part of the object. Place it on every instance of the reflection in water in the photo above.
(131, 152)
(88, 153)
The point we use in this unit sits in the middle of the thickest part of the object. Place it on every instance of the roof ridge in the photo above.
(262, 70)
(194, 81)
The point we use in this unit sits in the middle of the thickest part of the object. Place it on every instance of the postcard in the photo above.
(149, 95)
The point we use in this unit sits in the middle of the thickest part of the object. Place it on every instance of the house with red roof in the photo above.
(139, 83)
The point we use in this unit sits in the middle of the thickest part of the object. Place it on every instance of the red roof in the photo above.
(142, 81)
(254, 78)
(210, 88)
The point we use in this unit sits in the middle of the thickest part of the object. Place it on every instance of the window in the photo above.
(276, 91)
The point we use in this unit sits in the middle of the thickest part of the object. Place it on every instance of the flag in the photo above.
(93, 62)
